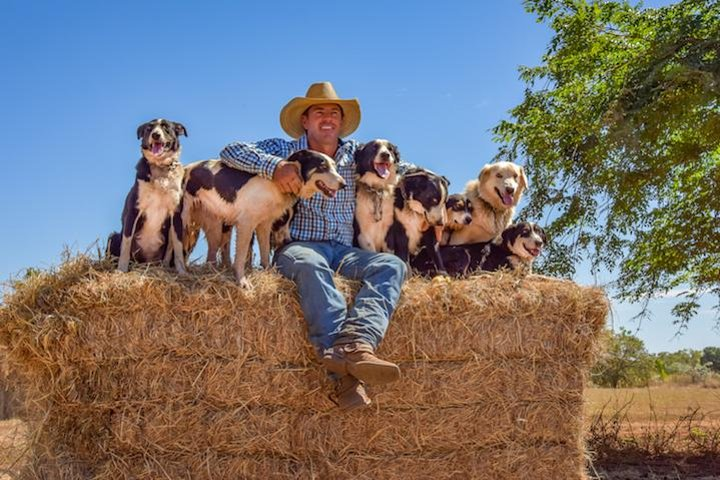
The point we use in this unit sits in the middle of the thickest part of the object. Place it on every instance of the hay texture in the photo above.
(146, 375)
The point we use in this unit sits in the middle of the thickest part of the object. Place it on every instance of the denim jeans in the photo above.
(311, 266)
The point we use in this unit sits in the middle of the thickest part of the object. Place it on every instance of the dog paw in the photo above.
(245, 283)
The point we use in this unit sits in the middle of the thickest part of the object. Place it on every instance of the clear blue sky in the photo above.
(79, 77)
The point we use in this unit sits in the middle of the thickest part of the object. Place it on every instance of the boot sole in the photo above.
(374, 374)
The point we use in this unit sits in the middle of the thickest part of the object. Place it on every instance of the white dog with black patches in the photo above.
(376, 165)
(151, 223)
(252, 203)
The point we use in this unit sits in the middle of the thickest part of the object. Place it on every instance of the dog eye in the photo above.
(498, 175)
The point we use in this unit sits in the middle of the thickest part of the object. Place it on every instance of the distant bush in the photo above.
(625, 363)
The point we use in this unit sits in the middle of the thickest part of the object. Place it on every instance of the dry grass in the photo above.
(666, 403)
(147, 375)
(658, 432)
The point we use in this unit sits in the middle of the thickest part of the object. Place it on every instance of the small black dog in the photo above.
(151, 223)
(420, 215)
(518, 246)
(376, 166)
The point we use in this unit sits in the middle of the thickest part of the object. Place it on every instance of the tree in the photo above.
(619, 131)
(711, 358)
(626, 363)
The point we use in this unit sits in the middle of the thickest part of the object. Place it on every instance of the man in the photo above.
(322, 233)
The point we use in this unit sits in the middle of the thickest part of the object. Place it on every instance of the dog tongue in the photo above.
(507, 199)
(157, 148)
(382, 170)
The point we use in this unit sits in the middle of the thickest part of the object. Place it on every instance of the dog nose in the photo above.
(510, 190)
(342, 185)
(539, 243)
(468, 220)
(156, 136)
(385, 155)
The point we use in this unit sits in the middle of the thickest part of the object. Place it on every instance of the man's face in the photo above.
(322, 122)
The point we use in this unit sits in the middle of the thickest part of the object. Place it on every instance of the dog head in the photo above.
(425, 193)
(376, 164)
(459, 211)
(159, 140)
(524, 239)
(318, 173)
(502, 184)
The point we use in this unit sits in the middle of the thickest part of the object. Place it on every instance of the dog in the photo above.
(516, 249)
(376, 167)
(459, 212)
(494, 196)
(520, 244)
(217, 233)
(151, 223)
(420, 215)
(252, 203)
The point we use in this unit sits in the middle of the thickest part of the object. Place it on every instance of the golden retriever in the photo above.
(494, 196)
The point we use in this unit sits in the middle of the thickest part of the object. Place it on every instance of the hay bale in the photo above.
(146, 375)
(8, 398)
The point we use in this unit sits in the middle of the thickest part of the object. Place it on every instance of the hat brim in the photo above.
(290, 114)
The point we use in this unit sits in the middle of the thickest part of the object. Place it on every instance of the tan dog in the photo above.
(494, 196)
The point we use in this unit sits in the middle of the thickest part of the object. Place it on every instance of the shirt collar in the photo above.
(302, 144)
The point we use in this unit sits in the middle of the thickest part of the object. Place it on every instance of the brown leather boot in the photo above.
(358, 359)
(350, 394)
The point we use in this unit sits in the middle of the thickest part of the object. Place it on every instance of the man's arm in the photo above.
(260, 158)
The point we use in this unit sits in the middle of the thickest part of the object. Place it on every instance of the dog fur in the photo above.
(252, 203)
(420, 215)
(517, 247)
(151, 223)
(494, 196)
(459, 211)
(376, 166)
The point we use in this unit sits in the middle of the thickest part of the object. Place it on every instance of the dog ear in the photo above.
(510, 233)
(541, 231)
(522, 181)
(180, 129)
(445, 181)
(140, 130)
(484, 171)
(395, 152)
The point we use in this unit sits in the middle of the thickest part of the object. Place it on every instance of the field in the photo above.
(665, 432)
(652, 433)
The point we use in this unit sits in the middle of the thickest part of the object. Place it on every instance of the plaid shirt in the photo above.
(317, 218)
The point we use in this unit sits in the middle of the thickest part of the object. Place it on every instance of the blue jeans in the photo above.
(311, 266)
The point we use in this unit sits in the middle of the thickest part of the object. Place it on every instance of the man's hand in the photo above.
(287, 177)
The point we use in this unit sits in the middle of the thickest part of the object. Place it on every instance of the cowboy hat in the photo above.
(317, 94)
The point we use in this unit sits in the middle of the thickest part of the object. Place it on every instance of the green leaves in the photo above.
(620, 132)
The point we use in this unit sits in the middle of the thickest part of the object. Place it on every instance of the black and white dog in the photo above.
(151, 223)
(420, 215)
(376, 166)
(251, 203)
(517, 248)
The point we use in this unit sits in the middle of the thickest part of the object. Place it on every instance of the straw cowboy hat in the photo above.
(319, 93)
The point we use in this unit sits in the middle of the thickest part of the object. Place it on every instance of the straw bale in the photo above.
(507, 461)
(8, 398)
(146, 375)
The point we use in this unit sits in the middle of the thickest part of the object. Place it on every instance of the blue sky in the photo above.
(79, 77)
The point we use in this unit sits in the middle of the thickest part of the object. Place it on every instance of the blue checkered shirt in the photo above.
(318, 218)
